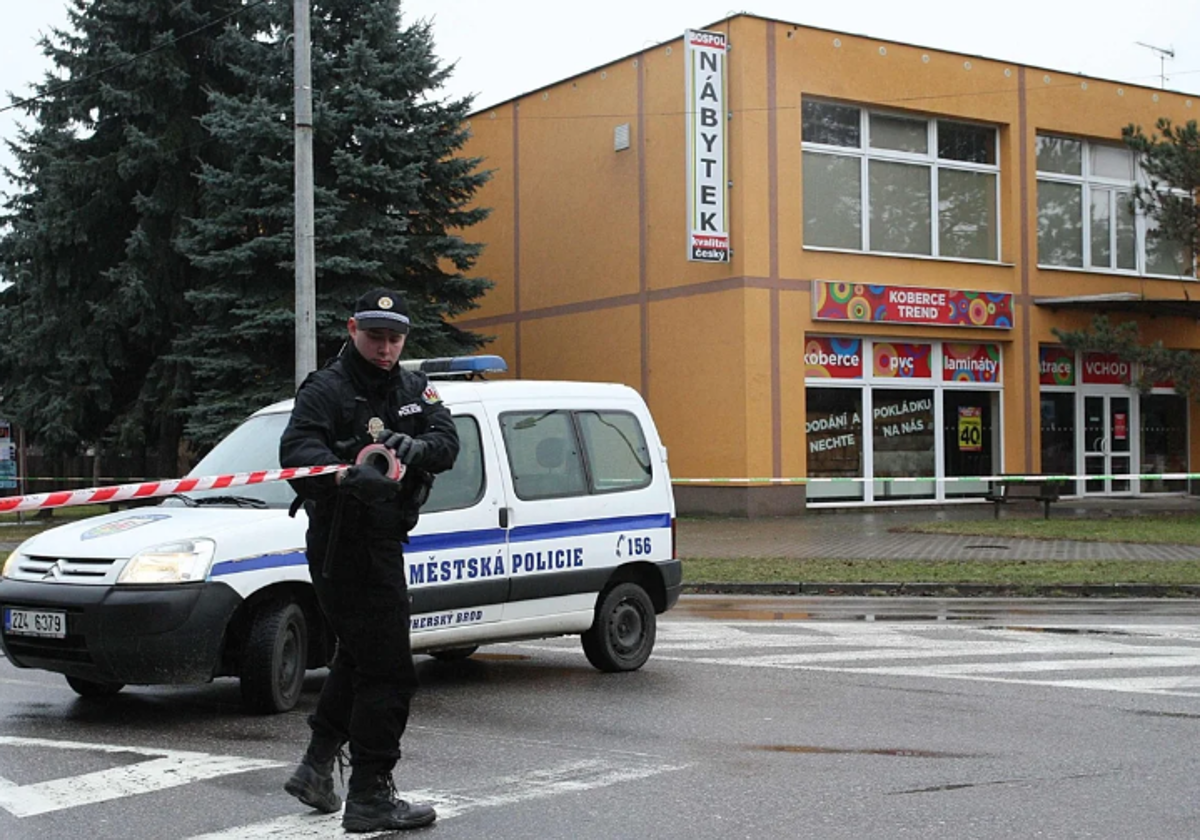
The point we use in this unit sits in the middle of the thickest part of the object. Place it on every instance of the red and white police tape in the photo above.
(378, 455)
(151, 489)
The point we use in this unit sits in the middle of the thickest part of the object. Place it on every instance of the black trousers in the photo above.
(372, 680)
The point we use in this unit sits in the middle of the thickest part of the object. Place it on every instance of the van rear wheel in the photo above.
(622, 634)
(92, 689)
(454, 654)
(274, 658)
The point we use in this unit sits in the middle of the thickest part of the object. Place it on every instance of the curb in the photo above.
(949, 590)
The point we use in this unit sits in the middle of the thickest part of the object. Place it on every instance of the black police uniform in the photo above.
(371, 681)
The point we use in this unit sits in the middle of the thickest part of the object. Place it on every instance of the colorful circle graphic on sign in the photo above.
(859, 309)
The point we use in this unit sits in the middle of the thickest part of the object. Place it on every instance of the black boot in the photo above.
(312, 783)
(377, 808)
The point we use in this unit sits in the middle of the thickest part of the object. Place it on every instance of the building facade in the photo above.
(850, 275)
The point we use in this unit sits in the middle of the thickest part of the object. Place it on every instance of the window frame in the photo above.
(865, 153)
(868, 382)
(508, 452)
(1087, 181)
(577, 432)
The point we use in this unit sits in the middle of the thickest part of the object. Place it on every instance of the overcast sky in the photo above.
(506, 48)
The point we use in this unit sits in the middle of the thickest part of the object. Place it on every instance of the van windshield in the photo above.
(250, 447)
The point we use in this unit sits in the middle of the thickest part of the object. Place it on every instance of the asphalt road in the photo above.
(755, 718)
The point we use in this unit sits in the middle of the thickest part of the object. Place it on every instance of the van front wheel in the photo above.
(622, 634)
(274, 659)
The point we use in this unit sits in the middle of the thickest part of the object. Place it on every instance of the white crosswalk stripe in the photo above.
(562, 778)
(163, 769)
(1123, 658)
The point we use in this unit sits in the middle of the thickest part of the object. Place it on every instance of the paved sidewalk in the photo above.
(867, 534)
(863, 534)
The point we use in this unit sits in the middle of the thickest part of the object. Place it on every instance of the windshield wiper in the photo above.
(240, 501)
(187, 500)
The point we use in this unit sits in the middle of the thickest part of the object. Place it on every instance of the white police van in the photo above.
(557, 519)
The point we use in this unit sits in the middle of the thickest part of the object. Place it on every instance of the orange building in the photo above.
(851, 276)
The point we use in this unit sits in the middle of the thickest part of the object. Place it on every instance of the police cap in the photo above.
(382, 309)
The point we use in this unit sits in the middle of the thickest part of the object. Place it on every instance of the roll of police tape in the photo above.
(153, 489)
(382, 459)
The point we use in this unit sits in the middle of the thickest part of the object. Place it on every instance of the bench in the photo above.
(1028, 489)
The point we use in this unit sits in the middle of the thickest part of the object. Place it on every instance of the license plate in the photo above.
(51, 625)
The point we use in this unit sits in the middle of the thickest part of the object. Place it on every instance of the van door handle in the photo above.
(504, 514)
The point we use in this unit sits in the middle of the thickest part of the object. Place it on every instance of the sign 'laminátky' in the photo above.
(708, 230)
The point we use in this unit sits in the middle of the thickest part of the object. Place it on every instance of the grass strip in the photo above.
(1040, 573)
(1169, 528)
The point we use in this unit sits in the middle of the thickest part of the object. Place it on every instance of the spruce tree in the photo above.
(105, 177)
(392, 201)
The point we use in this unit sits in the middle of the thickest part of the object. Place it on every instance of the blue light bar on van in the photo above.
(468, 367)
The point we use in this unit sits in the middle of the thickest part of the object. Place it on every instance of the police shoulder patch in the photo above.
(431, 395)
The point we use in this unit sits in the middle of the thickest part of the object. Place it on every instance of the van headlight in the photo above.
(185, 561)
(10, 562)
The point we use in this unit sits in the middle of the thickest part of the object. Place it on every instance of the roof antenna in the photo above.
(1163, 54)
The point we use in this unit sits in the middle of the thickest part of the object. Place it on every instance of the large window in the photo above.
(834, 433)
(971, 439)
(904, 443)
(1058, 434)
(1086, 217)
(898, 184)
(1164, 440)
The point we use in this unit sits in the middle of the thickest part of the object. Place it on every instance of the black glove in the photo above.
(368, 484)
(409, 450)
(346, 449)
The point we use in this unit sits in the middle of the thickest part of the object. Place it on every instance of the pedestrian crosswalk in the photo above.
(155, 770)
(1139, 658)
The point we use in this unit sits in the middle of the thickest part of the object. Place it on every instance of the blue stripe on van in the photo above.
(467, 539)
(263, 561)
(455, 539)
(585, 527)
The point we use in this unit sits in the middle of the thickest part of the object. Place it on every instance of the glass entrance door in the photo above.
(1107, 443)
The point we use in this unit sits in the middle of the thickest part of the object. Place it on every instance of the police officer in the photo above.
(358, 520)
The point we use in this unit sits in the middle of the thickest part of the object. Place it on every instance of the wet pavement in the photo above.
(872, 534)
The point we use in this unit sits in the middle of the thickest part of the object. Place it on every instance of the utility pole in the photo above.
(306, 282)
(1163, 54)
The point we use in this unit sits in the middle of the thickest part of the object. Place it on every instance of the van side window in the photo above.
(462, 485)
(543, 454)
(616, 450)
